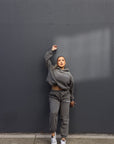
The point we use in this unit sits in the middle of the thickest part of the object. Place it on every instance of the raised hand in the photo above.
(54, 47)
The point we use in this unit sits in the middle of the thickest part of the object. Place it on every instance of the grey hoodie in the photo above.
(57, 76)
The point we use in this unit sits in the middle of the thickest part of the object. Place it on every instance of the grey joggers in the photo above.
(59, 101)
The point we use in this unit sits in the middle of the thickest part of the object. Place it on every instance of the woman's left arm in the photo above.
(72, 100)
(71, 88)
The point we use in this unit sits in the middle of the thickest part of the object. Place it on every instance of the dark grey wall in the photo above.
(84, 33)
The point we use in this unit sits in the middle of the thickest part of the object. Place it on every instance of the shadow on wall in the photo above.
(88, 54)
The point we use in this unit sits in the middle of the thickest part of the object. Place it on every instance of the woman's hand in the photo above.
(72, 103)
(54, 47)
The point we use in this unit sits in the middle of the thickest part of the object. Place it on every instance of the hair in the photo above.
(60, 56)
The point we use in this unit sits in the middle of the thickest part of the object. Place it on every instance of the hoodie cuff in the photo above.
(72, 98)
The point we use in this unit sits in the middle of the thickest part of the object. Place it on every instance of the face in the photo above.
(61, 62)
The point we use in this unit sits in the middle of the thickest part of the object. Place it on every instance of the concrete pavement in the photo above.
(18, 138)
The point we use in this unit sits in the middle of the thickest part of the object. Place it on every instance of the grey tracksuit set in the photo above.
(59, 100)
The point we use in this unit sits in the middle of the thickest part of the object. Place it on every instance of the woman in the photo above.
(60, 96)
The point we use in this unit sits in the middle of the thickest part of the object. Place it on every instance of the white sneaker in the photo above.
(53, 139)
(63, 142)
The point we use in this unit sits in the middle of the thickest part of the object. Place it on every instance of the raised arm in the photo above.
(48, 55)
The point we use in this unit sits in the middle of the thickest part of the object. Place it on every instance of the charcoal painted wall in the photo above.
(84, 33)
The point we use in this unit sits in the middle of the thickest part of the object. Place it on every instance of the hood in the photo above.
(65, 69)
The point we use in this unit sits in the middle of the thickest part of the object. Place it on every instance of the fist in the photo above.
(72, 103)
(54, 47)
